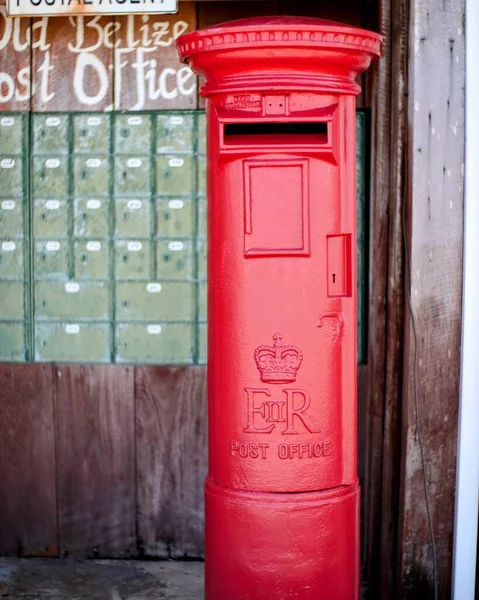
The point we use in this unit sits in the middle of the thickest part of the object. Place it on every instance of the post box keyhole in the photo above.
(339, 265)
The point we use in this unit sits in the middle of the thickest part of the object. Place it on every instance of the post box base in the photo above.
(272, 546)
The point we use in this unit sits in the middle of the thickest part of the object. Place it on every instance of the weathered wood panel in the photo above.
(378, 284)
(395, 303)
(28, 524)
(435, 223)
(148, 73)
(171, 459)
(72, 63)
(95, 460)
(15, 62)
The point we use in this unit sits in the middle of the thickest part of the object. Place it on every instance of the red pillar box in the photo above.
(282, 494)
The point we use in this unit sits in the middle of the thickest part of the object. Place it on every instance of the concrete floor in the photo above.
(68, 579)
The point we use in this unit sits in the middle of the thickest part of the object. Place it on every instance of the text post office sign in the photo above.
(32, 8)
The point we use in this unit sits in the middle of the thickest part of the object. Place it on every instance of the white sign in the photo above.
(154, 329)
(153, 288)
(72, 287)
(72, 328)
(33, 8)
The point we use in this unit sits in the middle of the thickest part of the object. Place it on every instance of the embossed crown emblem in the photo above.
(278, 363)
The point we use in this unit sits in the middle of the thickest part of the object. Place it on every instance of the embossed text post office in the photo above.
(282, 494)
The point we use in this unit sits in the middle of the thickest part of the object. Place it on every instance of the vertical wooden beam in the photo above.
(96, 460)
(395, 300)
(386, 318)
(171, 460)
(433, 330)
(28, 519)
(378, 273)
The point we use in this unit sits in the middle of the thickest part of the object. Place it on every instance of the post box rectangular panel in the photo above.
(339, 265)
(72, 342)
(11, 175)
(91, 217)
(155, 301)
(71, 300)
(276, 207)
(50, 134)
(12, 133)
(12, 299)
(282, 485)
(50, 217)
(282, 312)
(11, 258)
(175, 133)
(12, 342)
(91, 259)
(133, 217)
(155, 342)
(175, 259)
(175, 217)
(91, 133)
(11, 217)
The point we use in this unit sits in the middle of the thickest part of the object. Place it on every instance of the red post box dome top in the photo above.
(279, 53)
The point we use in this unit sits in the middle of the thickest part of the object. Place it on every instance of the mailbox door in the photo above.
(287, 254)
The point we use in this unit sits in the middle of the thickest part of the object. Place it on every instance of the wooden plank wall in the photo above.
(171, 460)
(386, 311)
(96, 460)
(414, 356)
(433, 326)
(102, 461)
(28, 523)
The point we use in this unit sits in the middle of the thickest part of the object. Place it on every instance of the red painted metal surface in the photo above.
(282, 493)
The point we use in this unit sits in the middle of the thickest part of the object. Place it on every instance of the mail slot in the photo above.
(282, 494)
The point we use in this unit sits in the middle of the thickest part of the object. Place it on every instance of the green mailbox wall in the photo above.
(103, 237)
(14, 236)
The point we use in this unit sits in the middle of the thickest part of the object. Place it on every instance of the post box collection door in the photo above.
(287, 233)
(282, 492)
